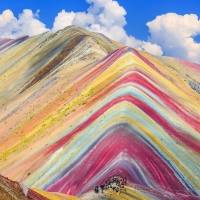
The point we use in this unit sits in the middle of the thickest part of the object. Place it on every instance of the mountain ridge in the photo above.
(95, 109)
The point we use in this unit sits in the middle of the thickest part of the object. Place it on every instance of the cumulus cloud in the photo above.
(174, 33)
(107, 17)
(6, 17)
(169, 33)
(103, 16)
(152, 48)
(63, 19)
(26, 24)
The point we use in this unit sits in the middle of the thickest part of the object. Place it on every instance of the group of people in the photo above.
(115, 183)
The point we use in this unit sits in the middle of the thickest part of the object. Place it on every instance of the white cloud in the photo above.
(26, 24)
(152, 48)
(83, 19)
(6, 17)
(63, 19)
(107, 17)
(170, 33)
(174, 33)
(103, 16)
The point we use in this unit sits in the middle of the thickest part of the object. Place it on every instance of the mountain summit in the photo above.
(78, 108)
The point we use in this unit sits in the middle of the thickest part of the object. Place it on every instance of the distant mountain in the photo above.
(78, 108)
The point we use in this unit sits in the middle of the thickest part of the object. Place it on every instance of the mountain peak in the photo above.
(77, 108)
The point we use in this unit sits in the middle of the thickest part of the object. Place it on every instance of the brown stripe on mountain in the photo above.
(56, 61)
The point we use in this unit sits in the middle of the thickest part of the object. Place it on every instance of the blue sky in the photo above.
(131, 18)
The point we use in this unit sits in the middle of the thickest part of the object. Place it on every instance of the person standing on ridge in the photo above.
(96, 189)
(102, 187)
(122, 183)
(124, 180)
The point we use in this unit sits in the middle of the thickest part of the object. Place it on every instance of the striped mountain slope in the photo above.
(77, 108)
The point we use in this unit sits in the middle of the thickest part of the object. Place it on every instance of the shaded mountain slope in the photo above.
(16, 191)
(12, 190)
(77, 108)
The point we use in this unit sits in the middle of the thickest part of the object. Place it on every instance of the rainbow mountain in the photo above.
(78, 108)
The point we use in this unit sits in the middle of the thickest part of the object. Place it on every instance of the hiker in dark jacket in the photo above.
(96, 189)
(102, 187)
